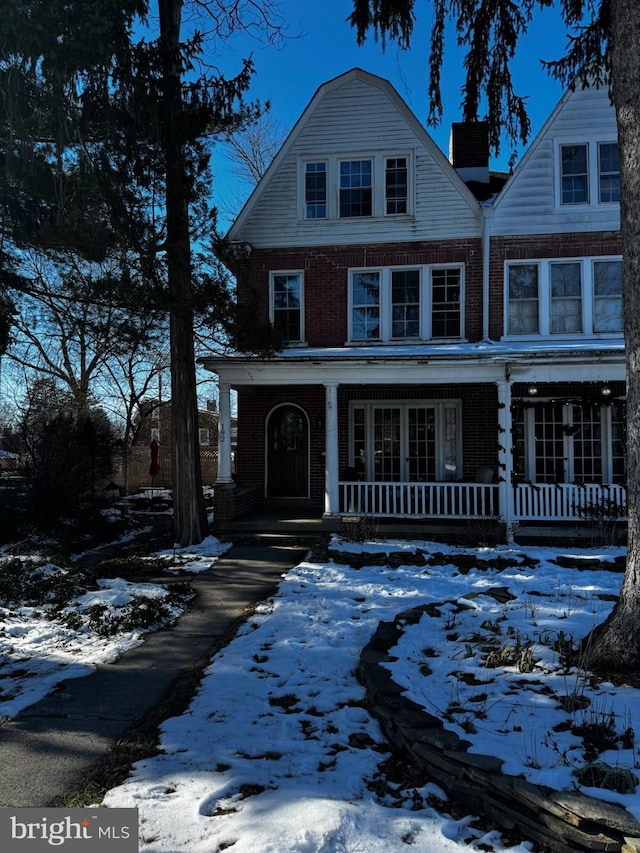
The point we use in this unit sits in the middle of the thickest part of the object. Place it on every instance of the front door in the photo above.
(287, 454)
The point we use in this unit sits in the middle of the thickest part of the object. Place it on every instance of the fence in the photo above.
(131, 470)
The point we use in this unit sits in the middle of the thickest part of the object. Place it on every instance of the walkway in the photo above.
(51, 745)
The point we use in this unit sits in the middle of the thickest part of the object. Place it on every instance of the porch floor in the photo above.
(306, 526)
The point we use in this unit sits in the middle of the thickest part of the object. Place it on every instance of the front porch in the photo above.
(505, 437)
(439, 511)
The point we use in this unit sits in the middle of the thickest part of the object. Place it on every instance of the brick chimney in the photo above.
(469, 150)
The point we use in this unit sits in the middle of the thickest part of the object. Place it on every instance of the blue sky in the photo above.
(326, 47)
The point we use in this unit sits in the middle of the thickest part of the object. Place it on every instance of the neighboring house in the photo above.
(154, 423)
(446, 356)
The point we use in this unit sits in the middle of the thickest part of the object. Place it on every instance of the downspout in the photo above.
(486, 246)
(505, 453)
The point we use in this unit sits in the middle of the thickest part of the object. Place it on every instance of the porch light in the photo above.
(532, 390)
(605, 391)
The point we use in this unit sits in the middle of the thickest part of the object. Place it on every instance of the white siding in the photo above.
(360, 117)
(528, 204)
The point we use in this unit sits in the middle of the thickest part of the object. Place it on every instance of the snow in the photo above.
(278, 753)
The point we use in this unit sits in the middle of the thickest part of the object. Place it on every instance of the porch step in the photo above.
(295, 538)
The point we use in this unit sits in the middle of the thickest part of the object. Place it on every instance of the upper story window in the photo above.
(400, 304)
(589, 173)
(575, 177)
(356, 186)
(564, 297)
(396, 186)
(287, 315)
(203, 435)
(315, 190)
(608, 172)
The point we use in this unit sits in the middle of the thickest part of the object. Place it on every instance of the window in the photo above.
(396, 186)
(567, 442)
(608, 172)
(564, 297)
(445, 300)
(286, 305)
(607, 296)
(419, 303)
(574, 174)
(315, 190)
(589, 173)
(405, 304)
(204, 437)
(523, 299)
(412, 441)
(365, 289)
(356, 188)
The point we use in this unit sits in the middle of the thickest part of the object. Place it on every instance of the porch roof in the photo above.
(540, 360)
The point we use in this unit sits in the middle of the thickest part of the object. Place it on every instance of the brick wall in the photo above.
(326, 280)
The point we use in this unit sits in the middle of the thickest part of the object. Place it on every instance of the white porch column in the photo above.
(505, 453)
(224, 433)
(331, 477)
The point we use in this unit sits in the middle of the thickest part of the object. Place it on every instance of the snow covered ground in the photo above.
(277, 752)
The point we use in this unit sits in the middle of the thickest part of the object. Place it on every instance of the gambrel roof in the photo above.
(357, 114)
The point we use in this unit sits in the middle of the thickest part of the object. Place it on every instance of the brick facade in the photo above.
(326, 275)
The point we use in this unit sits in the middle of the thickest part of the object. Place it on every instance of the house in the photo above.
(154, 423)
(454, 346)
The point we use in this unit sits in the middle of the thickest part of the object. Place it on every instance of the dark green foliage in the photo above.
(68, 457)
(490, 31)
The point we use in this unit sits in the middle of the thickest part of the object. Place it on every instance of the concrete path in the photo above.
(51, 745)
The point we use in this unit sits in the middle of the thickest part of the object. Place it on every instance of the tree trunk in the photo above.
(615, 644)
(189, 515)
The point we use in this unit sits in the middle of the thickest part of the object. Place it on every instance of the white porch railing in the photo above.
(420, 500)
(569, 501)
(532, 501)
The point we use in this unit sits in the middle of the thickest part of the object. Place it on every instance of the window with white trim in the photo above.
(315, 190)
(203, 434)
(406, 303)
(396, 184)
(589, 173)
(287, 308)
(409, 441)
(608, 172)
(569, 297)
(358, 185)
(356, 188)
(574, 180)
(559, 441)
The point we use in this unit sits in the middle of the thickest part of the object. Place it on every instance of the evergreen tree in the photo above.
(104, 150)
